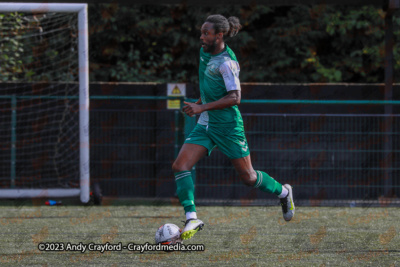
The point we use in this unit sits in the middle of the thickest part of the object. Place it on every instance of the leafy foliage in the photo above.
(356, 43)
(160, 43)
(11, 66)
(144, 43)
(277, 44)
(38, 47)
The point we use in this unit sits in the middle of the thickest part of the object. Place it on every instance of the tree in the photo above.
(320, 43)
(38, 47)
(11, 65)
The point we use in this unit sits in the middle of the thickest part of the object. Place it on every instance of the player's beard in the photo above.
(210, 48)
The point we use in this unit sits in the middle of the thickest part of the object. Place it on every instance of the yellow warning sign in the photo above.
(175, 89)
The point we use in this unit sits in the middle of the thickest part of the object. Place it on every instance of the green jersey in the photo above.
(218, 75)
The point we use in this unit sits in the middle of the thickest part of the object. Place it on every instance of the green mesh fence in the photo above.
(324, 157)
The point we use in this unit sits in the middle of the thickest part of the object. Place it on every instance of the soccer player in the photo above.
(220, 123)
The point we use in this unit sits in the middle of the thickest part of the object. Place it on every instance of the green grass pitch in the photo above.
(233, 236)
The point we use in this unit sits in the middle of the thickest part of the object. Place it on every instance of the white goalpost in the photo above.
(44, 88)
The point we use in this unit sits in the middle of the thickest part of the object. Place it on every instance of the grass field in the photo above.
(233, 236)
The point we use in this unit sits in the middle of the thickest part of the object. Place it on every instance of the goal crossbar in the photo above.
(84, 190)
(41, 7)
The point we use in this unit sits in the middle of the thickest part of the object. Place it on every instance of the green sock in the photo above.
(185, 190)
(267, 184)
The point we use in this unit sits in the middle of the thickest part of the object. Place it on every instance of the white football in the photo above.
(168, 234)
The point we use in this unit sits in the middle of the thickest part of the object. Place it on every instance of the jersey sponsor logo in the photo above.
(212, 69)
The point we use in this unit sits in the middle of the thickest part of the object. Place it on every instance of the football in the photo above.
(168, 234)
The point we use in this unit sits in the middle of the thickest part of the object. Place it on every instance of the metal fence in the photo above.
(326, 157)
(132, 151)
(323, 156)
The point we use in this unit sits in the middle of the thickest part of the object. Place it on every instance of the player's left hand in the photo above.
(192, 109)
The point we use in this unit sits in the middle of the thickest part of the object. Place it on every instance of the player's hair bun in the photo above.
(234, 26)
(229, 27)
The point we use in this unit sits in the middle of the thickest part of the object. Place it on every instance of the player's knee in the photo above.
(177, 167)
(249, 178)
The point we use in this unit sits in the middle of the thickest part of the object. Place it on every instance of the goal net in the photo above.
(44, 101)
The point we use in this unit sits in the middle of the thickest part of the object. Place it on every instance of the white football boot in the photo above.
(191, 227)
(288, 204)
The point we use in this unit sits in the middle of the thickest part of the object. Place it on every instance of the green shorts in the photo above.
(230, 140)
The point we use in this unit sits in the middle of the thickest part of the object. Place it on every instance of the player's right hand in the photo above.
(192, 109)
